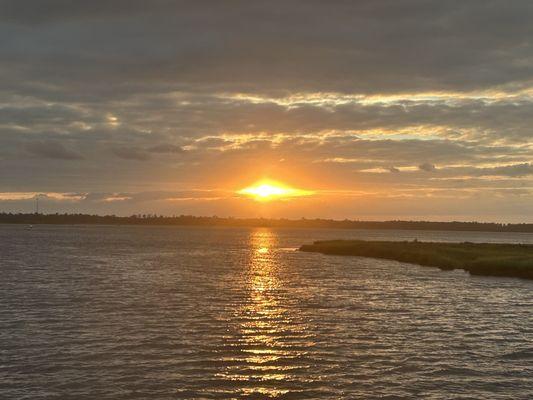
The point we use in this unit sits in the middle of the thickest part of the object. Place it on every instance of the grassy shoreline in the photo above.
(506, 260)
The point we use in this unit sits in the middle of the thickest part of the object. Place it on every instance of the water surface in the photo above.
(113, 312)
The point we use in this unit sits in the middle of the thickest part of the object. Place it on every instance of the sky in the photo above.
(390, 109)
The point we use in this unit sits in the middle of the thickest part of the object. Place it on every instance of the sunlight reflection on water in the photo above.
(267, 325)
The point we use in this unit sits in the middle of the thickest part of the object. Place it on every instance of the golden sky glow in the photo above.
(267, 190)
(372, 141)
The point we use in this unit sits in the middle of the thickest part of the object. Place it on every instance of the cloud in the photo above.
(52, 149)
(516, 170)
(165, 148)
(130, 153)
(393, 170)
(296, 46)
(427, 167)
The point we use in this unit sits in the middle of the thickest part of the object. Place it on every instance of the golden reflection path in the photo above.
(272, 338)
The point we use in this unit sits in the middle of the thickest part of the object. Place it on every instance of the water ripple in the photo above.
(198, 313)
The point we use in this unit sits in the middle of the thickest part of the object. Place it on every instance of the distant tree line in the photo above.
(189, 220)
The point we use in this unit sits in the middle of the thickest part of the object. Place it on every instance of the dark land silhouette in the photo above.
(510, 260)
(189, 220)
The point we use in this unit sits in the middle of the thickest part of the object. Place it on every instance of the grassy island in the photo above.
(511, 260)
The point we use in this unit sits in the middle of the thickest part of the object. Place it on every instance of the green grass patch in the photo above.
(494, 259)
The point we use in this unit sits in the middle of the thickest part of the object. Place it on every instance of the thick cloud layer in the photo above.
(389, 100)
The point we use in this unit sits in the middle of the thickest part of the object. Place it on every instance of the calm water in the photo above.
(185, 313)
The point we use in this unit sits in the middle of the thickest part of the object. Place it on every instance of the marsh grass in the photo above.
(513, 260)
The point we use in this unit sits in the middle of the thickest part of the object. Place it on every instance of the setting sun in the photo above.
(270, 190)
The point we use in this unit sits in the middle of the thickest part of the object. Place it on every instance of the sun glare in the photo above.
(270, 190)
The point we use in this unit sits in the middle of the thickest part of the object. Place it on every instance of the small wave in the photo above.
(525, 354)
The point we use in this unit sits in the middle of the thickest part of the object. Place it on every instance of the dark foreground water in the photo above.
(185, 313)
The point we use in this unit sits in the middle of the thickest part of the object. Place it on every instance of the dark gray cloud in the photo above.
(513, 170)
(165, 148)
(362, 46)
(57, 11)
(130, 153)
(428, 167)
(52, 149)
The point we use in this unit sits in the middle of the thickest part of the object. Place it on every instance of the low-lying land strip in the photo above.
(511, 260)
(190, 220)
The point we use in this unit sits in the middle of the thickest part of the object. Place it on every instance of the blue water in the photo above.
(205, 313)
